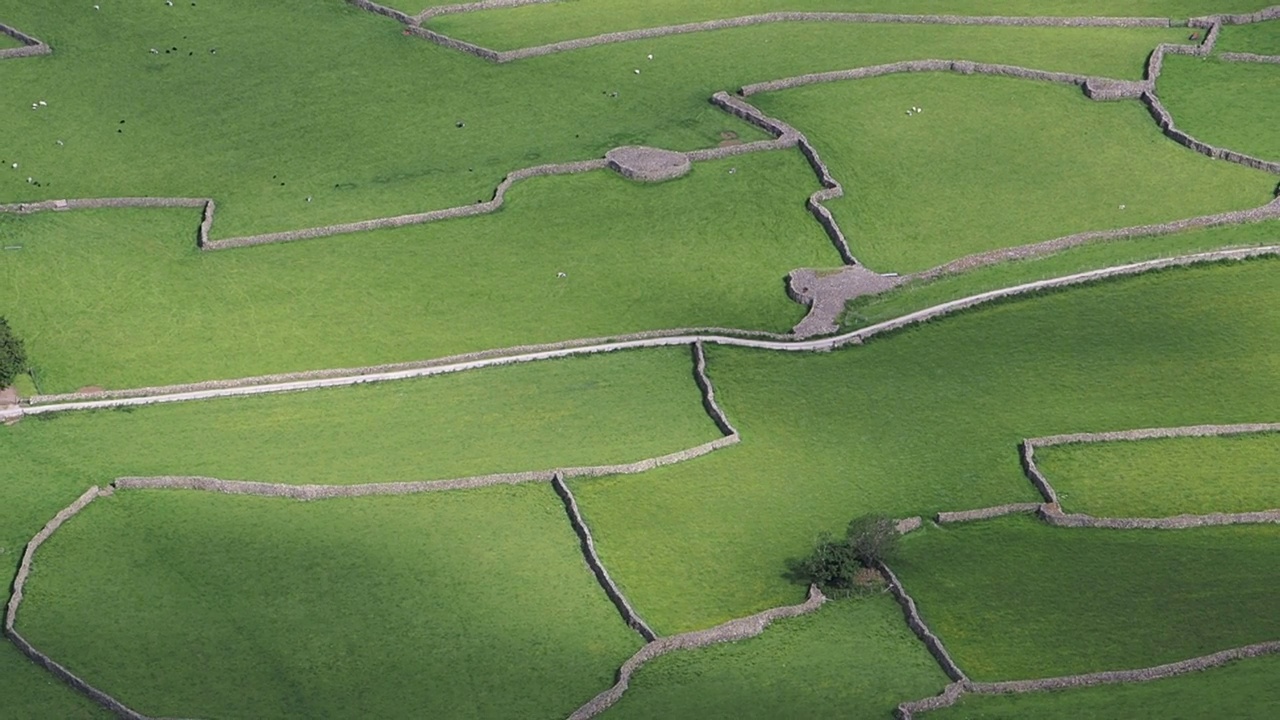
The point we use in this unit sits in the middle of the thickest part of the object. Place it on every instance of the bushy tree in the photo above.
(873, 539)
(837, 564)
(13, 357)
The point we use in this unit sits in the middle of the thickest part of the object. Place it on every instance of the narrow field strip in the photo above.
(233, 389)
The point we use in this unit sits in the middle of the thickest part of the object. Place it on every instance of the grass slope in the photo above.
(474, 604)
(385, 107)
(1227, 104)
(537, 24)
(1157, 478)
(856, 655)
(1014, 598)
(926, 420)
(91, 290)
(996, 162)
(869, 310)
(1241, 690)
(31, 692)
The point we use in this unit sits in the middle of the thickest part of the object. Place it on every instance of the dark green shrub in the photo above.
(13, 357)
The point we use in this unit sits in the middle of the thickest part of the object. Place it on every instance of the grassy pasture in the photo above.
(31, 692)
(856, 655)
(1014, 598)
(471, 604)
(385, 107)
(1168, 476)
(996, 162)
(122, 298)
(1228, 104)
(925, 420)
(1241, 690)
(538, 24)
(1260, 38)
(872, 309)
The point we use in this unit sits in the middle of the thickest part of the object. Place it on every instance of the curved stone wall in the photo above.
(734, 630)
(15, 599)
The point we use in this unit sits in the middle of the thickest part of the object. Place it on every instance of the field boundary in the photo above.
(38, 405)
(733, 630)
(31, 45)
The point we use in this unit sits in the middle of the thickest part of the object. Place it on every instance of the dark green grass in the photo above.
(376, 131)
(470, 604)
(1014, 598)
(1157, 478)
(869, 310)
(537, 24)
(1241, 690)
(8, 42)
(856, 655)
(29, 691)
(926, 420)
(1227, 104)
(1260, 38)
(996, 162)
(122, 298)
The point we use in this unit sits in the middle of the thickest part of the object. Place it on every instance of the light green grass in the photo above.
(8, 42)
(911, 297)
(1227, 104)
(1240, 690)
(926, 420)
(538, 24)
(473, 604)
(1259, 38)
(856, 655)
(1014, 598)
(1158, 478)
(122, 298)
(384, 106)
(996, 162)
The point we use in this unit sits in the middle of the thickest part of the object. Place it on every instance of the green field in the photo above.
(926, 420)
(538, 24)
(996, 162)
(1242, 690)
(913, 296)
(1260, 38)
(1158, 478)
(90, 288)
(856, 655)
(1228, 104)
(295, 114)
(1014, 598)
(468, 604)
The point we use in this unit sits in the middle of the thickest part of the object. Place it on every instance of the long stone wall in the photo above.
(709, 392)
(15, 600)
(611, 589)
(943, 518)
(474, 7)
(954, 691)
(1248, 57)
(504, 56)
(732, 631)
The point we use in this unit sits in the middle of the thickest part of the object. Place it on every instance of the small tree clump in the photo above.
(839, 565)
(13, 357)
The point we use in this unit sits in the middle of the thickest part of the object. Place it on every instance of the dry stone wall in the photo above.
(628, 612)
(918, 626)
(732, 631)
(943, 518)
(30, 45)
